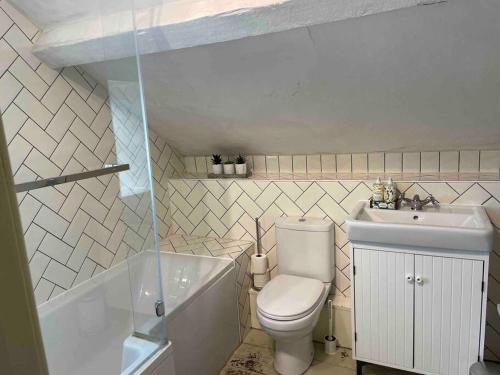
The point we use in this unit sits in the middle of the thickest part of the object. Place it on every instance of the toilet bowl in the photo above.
(288, 309)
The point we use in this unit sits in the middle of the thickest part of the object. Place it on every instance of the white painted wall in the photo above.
(47, 13)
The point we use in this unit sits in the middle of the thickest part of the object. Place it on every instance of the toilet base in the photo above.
(294, 356)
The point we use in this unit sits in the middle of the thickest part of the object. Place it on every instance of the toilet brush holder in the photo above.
(330, 340)
(330, 344)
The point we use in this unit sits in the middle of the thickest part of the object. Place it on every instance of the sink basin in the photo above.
(447, 227)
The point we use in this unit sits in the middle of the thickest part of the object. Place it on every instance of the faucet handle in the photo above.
(402, 199)
(434, 201)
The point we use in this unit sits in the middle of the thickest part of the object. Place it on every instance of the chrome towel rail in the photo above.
(108, 169)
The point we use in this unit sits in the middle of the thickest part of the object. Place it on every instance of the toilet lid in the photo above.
(289, 297)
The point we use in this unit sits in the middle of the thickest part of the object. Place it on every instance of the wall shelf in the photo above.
(400, 177)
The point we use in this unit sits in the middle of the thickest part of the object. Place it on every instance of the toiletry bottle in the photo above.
(390, 194)
(378, 191)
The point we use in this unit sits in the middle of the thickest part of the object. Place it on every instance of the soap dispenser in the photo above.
(390, 194)
(378, 191)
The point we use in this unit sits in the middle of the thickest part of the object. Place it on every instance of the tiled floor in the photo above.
(255, 356)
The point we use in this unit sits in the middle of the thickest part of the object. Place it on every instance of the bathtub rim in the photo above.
(75, 292)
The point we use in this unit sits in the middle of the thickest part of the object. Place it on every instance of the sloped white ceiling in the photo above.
(425, 78)
(98, 30)
(422, 78)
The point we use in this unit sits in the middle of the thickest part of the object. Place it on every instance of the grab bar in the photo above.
(108, 169)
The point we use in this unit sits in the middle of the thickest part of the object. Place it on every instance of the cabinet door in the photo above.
(383, 309)
(447, 314)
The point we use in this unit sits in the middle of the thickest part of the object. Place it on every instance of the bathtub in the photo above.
(201, 309)
(87, 330)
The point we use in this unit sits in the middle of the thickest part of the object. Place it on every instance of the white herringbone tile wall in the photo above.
(227, 208)
(58, 122)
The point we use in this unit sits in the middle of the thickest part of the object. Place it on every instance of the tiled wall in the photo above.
(227, 208)
(60, 122)
(377, 162)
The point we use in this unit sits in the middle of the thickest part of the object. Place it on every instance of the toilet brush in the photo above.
(330, 340)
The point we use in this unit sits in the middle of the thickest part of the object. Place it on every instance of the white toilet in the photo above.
(288, 307)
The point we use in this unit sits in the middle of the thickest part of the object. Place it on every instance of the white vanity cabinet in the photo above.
(422, 311)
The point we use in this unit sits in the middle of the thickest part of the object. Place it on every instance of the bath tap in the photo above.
(417, 204)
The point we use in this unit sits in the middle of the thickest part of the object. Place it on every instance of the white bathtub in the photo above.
(87, 329)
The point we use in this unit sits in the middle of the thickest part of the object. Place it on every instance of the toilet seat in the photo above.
(288, 297)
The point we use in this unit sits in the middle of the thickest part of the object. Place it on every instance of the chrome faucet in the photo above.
(417, 204)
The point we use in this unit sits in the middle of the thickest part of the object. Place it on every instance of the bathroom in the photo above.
(266, 187)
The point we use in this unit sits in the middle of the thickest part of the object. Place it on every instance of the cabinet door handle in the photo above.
(409, 277)
(419, 279)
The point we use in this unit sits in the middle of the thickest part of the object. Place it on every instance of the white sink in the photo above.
(447, 227)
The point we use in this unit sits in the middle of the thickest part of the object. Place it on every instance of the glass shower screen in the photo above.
(99, 292)
(116, 64)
